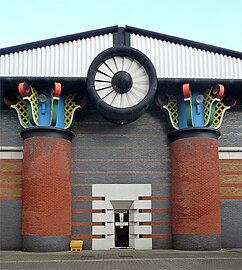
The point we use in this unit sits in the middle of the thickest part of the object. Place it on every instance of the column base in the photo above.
(46, 243)
(196, 242)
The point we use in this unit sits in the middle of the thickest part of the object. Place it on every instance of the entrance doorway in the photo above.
(121, 228)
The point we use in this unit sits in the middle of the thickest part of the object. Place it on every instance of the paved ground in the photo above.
(123, 259)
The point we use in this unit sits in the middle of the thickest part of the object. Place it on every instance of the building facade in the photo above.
(120, 137)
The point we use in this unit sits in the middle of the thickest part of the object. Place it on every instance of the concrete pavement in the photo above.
(123, 259)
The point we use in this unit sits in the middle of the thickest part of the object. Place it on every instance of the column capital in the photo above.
(197, 109)
(193, 132)
(47, 132)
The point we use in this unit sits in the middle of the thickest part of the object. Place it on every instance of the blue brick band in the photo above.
(46, 243)
(196, 241)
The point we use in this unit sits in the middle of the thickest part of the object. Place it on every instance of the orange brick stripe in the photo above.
(231, 173)
(231, 197)
(231, 185)
(83, 224)
(9, 135)
(155, 236)
(10, 198)
(10, 173)
(11, 160)
(83, 211)
(168, 210)
(155, 198)
(155, 223)
(234, 161)
(87, 198)
(86, 236)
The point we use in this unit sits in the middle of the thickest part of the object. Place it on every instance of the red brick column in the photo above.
(196, 223)
(46, 200)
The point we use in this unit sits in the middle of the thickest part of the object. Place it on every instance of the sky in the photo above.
(214, 22)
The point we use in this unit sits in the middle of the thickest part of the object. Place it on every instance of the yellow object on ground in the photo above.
(76, 245)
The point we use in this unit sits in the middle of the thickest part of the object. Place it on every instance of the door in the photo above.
(121, 228)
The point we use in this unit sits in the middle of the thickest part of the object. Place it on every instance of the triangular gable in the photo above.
(71, 56)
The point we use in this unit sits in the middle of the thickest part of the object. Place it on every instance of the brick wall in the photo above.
(137, 153)
(195, 191)
(46, 187)
(10, 204)
(126, 154)
(231, 202)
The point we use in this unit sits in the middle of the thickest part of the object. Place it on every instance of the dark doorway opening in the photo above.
(121, 228)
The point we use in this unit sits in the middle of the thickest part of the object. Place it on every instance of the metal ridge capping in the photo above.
(183, 41)
(112, 29)
(61, 39)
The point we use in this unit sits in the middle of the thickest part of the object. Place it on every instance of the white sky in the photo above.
(215, 22)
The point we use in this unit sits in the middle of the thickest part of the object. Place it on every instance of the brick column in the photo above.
(196, 223)
(46, 205)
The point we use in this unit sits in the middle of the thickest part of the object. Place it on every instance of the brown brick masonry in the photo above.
(155, 210)
(87, 198)
(155, 236)
(231, 179)
(84, 224)
(83, 211)
(46, 187)
(155, 223)
(10, 179)
(195, 186)
(14, 165)
(87, 236)
(155, 198)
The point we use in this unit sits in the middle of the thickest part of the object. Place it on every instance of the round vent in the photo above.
(121, 83)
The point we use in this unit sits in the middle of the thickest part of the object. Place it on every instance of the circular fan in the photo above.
(121, 83)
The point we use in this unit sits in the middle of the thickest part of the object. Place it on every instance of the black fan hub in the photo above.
(122, 82)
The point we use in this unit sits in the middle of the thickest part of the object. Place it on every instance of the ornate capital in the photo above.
(45, 108)
(197, 109)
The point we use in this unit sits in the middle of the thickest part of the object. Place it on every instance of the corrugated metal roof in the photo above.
(68, 59)
(173, 60)
(70, 56)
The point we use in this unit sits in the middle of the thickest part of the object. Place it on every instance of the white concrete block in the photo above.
(121, 191)
(102, 205)
(5, 155)
(102, 244)
(17, 155)
(102, 217)
(103, 229)
(11, 155)
(143, 229)
(223, 155)
(143, 243)
(142, 217)
(142, 204)
(235, 155)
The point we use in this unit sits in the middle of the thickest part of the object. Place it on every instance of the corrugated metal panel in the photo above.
(73, 58)
(69, 59)
(172, 60)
